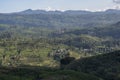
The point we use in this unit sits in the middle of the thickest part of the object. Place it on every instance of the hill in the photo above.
(106, 66)
(112, 31)
(35, 73)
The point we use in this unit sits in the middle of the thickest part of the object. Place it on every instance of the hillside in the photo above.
(32, 45)
(112, 31)
(43, 38)
(35, 73)
(106, 66)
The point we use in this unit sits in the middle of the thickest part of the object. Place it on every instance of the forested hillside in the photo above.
(43, 45)
(43, 34)
(106, 66)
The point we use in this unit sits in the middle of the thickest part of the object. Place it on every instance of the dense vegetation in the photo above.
(34, 73)
(106, 66)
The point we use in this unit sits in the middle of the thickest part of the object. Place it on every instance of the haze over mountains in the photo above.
(30, 11)
(59, 19)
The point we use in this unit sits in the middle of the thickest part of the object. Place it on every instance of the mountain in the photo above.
(72, 12)
(75, 12)
(106, 66)
(111, 30)
(58, 19)
(112, 11)
(30, 11)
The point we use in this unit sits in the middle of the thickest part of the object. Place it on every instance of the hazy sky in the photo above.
(19, 5)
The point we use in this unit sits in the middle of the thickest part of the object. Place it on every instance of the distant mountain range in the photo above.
(30, 11)
(61, 19)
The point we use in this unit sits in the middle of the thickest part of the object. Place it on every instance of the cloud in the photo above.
(48, 9)
(52, 9)
(116, 1)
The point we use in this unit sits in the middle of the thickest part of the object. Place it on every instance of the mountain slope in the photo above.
(112, 31)
(106, 66)
(37, 73)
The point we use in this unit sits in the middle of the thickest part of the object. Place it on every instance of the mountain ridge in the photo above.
(39, 11)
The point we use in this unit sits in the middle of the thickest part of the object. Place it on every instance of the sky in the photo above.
(7, 6)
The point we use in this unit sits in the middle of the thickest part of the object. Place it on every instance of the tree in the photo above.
(65, 61)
